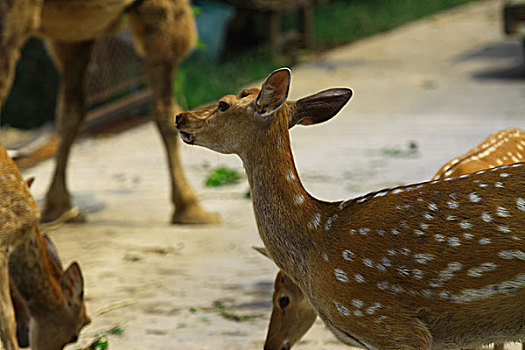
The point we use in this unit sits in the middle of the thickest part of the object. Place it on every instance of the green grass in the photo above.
(336, 22)
(344, 21)
(222, 176)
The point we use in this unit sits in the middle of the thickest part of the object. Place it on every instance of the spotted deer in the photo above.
(500, 148)
(292, 315)
(433, 265)
(49, 302)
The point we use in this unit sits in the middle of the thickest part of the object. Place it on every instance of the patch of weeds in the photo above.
(101, 340)
(100, 343)
(193, 309)
(396, 151)
(224, 311)
(181, 325)
(117, 330)
(222, 176)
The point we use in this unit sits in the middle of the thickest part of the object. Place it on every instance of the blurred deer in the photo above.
(49, 302)
(293, 315)
(432, 265)
(164, 32)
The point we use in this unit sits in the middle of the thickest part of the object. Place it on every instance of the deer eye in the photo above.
(223, 106)
(284, 302)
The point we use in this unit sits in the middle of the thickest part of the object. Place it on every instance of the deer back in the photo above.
(500, 148)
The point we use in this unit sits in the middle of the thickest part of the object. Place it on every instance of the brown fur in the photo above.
(427, 294)
(294, 323)
(49, 302)
(500, 148)
(164, 32)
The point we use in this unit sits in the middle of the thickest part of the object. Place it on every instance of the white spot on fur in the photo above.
(289, 175)
(499, 185)
(512, 254)
(486, 217)
(428, 216)
(380, 232)
(395, 232)
(503, 228)
(417, 274)
(454, 241)
(364, 231)
(342, 310)
(348, 255)
(432, 206)
(520, 202)
(405, 251)
(504, 175)
(367, 262)
(358, 313)
(419, 232)
(502, 212)
(439, 237)
(423, 258)
(380, 194)
(465, 224)
(484, 241)
(341, 275)
(298, 199)
(382, 285)
(468, 236)
(357, 303)
(359, 278)
(474, 197)
(453, 204)
(478, 271)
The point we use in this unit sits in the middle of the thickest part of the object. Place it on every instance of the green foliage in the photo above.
(100, 343)
(342, 21)
(203, 81)
(225, 312)
(222, 176)
(116, 330)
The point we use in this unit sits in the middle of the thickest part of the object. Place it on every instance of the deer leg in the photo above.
(7, 315)
(71, 60)
(17, 20)
(162, 46)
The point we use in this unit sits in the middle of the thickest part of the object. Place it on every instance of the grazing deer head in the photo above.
(292, 315)
(436, 265)
(49, 302)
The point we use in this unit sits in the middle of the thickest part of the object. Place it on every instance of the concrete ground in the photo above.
(440, 85)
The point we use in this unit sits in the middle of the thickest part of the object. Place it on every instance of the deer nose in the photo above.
(178, 120)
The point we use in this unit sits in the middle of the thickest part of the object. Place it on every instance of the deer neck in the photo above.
(35, 275)
(282, 206)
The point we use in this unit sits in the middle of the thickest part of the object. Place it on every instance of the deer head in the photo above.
(292, 314)
(236, 121)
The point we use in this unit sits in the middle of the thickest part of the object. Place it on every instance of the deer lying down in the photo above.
(293, 315)
(433, 265)
(49, 301)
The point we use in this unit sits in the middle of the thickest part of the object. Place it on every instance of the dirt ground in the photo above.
(424, 93)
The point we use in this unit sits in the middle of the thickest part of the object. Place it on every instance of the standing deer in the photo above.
(293, 315)
(49, 302)
(164, 32)
(432, 265)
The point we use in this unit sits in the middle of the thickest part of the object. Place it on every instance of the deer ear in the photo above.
(263, 251)
(52, 250)
(72, 285)
(319, 107)
(29, 181)
(274, 92)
